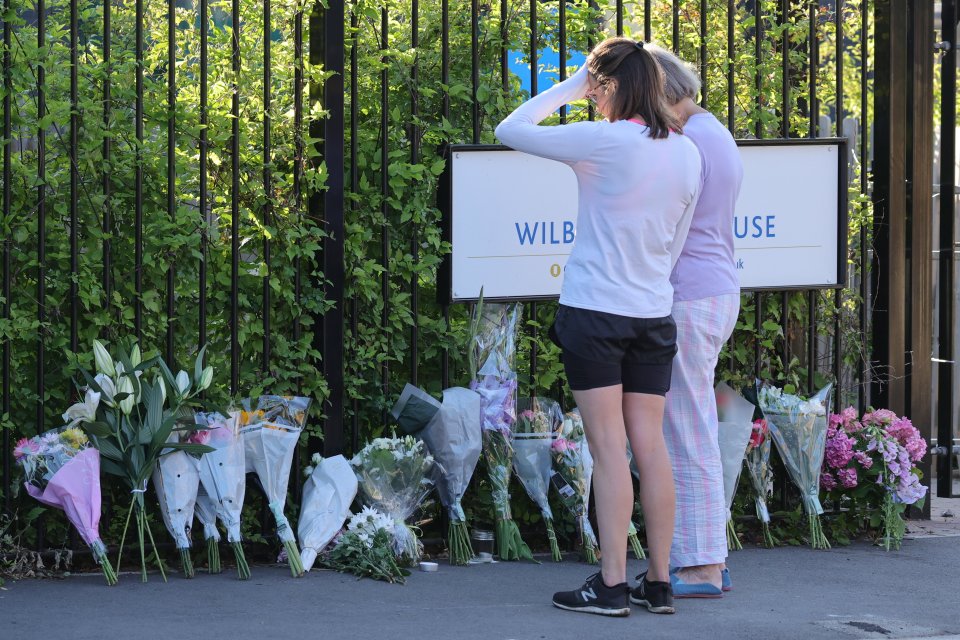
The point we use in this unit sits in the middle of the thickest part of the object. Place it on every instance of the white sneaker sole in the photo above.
(651, 608)
(600, 611)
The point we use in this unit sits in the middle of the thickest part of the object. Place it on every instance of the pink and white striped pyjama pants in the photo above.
(690, 430)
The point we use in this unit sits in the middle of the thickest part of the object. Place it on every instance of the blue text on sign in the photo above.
(545, 232)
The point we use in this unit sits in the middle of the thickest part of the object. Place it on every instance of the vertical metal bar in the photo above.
(504, 62)
(811, 340)
(758, 324)
(758, 54)
(863, 371)
(562, 20)
(703, 53)
(619, 10)
(74, 175)
(235, 201)
(138, 178)
(948, 190)
(785, 73)
(298, 153)
(204, 151)
(327, 48)
(814, 68)
(838, 293)
(731, 114)
(7, 219)
(415, 231)
(267, 210)
(534, 89)
(475, 67)
(41, 211)
(107, 221)
(445, 112)
(785, 323)
(171, 163)
(675, 21)
(647, 26)
(384, 195)
(354, 188)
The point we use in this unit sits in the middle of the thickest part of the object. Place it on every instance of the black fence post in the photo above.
(327, 49)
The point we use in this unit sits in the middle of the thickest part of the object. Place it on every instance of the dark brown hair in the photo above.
(639, 84)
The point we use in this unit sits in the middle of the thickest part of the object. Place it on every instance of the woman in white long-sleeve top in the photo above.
(639, 179)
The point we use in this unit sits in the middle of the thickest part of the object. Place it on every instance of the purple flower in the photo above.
(865, 461)
(827, 481)
(839, 450)
(848, 478)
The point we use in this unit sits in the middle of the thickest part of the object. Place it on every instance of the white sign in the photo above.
(512, 219)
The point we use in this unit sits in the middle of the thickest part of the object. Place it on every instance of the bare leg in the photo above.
(602, 412)
(644, 423)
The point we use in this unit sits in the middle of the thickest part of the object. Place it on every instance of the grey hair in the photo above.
(680, 78)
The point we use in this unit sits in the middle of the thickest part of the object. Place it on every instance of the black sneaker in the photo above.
(595, 597)
(657, 597)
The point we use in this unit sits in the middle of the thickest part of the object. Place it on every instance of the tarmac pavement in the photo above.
(859, 591)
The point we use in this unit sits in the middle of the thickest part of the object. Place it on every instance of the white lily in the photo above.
(107, 387)
(163, 390)
(135, 357)
(205, 378)
(183, 382)
(103, 360)
(126, 386)
(85, 411)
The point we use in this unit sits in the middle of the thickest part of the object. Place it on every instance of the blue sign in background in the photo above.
(518, 63)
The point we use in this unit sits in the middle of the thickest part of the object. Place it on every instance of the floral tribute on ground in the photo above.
(871, 462)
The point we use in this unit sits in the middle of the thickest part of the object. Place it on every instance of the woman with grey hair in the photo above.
(706, 301)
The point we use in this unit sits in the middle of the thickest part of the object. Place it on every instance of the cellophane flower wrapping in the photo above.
(735, 423)
(760, 473)
(538, 421)
(574, 465)
(223, 479)
(872, 462)
(798, 427)
(176, 481)
(453, 437)
(62, 470)
(270, 434)
(492, 353)
(366, 548)
(328, 492)
(394, 477)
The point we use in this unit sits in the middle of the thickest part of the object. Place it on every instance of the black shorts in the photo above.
(604, 349)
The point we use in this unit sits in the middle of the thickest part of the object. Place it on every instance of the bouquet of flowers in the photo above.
(270, 435)
(533, 436)
(574, 470)
(138, 405)
(632, 536)
(873, 460)
(222, 485)
(799, 429)
(493, 348)
(735, 415)
(176, 481)
(366, 548)
(394, 478)
(451, 431)
(330, 488)
(61, 470)
(760, 473)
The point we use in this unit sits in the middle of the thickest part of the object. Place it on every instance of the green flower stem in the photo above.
(143, 559)
(894, 528)
(293, 558)
(243, 569)
(510, 546)
(768, 540)
(590, 554)
(552, 537)
(213, 556)
(733, 542)
(100, 555)
(458, 539)
(817, 539)
(186, 563)
(123, 536)
(635, 543)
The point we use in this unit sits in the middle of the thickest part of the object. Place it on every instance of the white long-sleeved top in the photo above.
(636, 200)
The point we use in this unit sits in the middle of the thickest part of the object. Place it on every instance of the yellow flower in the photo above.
(74, 437)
